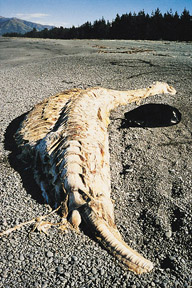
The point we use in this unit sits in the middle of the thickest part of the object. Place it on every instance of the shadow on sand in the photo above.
(152, 115)
(26, 174)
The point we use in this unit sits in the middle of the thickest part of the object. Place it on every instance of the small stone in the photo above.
(163, 285)
(44, 285)
(21, 257)
(177, 284)
(102, 272)
(5, 273)
(94, 271)
(172, 258)
(36, 284)
(60, 269)
(74, 258)
(168, 234)
(4, 223)
(56, 261)
(49, 254)
(67, 274)
(50, 260)
(10, 257)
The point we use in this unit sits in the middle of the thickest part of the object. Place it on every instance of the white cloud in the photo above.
(32, 16)
(44, 19)
(57, 24)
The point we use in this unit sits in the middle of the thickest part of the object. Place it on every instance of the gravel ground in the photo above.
(151, 168)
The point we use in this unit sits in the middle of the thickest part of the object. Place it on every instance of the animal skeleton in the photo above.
(65, 137)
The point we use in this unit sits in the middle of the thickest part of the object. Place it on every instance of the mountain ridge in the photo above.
(16, 25)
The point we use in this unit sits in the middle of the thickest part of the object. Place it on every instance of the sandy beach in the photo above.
(151, 168)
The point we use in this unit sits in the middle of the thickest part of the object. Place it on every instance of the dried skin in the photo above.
(66, 138)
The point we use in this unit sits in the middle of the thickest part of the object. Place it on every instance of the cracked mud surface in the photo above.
(151, 168)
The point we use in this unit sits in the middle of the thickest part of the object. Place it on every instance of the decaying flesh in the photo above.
(65, 139)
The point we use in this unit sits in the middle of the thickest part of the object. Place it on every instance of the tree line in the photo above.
(141, 26)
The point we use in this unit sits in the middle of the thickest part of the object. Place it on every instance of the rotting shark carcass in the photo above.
(65, 140)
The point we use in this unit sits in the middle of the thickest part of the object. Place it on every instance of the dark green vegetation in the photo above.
(128, 26)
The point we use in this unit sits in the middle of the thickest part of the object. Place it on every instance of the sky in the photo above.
(67, 13)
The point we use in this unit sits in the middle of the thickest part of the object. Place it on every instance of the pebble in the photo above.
(74, 258)
(21, 257)
(5, 273)
(94, 271)
(168, 234)
(44, 285)
(50, 260)
(10, 257)
(49, 254)
(67, 274)
(60, 269)
(102, 272)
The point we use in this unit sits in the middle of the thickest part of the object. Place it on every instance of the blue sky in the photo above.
(73, 12)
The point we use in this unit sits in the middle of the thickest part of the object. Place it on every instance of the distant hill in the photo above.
(9, 25)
